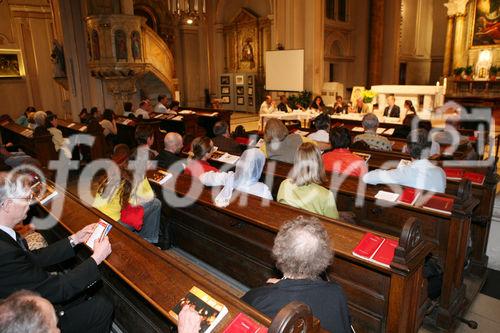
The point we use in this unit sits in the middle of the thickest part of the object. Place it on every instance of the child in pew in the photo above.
(118, 197)
(245, 178)
(303, 188)
(60, 143)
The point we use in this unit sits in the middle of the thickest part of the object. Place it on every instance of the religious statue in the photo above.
(95, 46)
(135, 40)
(120, 45)
(57, 57)
(247, 51)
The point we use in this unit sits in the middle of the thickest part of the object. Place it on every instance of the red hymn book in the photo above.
(377, 249)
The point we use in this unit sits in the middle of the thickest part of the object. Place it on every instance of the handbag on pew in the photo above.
(133, 216)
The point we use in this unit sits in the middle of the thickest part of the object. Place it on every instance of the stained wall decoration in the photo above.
(121, 45)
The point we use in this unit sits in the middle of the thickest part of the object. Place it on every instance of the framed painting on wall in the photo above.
(240, 91)
(11, 64)
(224, 79)
(225, 90)
(250, 80)
(250, 91)
(250, 101)
(240, 100)
(225, 100)
(239, 79)
(486, 28)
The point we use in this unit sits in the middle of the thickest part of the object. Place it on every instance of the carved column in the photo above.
(447, 47)
(376, 42)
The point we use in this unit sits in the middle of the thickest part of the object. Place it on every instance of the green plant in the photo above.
(304, 99)
(493, 70)
(458, 70)
(468, 70)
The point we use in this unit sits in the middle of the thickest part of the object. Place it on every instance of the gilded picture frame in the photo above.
(486, 23)
(11, 63)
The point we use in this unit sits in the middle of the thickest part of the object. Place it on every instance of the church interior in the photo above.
(220, 104)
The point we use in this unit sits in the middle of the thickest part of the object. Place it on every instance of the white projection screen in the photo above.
(285, 70)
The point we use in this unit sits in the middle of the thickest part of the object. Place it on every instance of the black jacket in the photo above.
(25, 270)
(326, 299)
(394, 112)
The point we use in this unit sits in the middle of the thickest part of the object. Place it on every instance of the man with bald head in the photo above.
(169, 157)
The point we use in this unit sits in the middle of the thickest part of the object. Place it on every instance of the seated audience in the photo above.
(322, 124)
(145, 137)
(39, 119)
(23, 119)
(370, 136)
(340, 106)
(420, 174)
(216, 104)
(303, 188)
(341, 159)
(60, 143)
(245, 178)
(409, 108)
(223, 140)
(268, 106)
(22, 269)
(108, 123)
(142, 112)
(83, 115)
(16, 158)
(302, 250)
(26, 312)
(174, 106)
(317, 104)
(119, 198)
(284, 106)
(241, 136)
(169, 157)
(360, 107)
(202, 149)
(127, 109)
(278, 143)
(392, 110)
(161, 106)
(94, 114)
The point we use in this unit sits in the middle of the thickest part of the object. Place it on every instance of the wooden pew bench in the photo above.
(145, 282)
(238, 241)
(69, 128)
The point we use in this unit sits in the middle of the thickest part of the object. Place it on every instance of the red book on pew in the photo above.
(454, 173)
(244, 324)
(474, 177)
(409, 196)
(376, 249)
(439, 204)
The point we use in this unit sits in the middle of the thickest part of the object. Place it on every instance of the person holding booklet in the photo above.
(420, 173)
(245, 178)
(202, 149)
(21, 268)
(302, 250)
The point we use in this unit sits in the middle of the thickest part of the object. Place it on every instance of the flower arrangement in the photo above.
(493, 72)
(368, 96)
(468, 72)
(458, 72)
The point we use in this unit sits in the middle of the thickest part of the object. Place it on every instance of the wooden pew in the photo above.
(69, 128)
(238, 241)
(40, 147)
(481, 215)
(137, 273)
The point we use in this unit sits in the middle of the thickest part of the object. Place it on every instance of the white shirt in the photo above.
(320, 136)
(141, 112)
(219, 178)
(9, 231)
(160, 108)
(266, 108)
(420, 174)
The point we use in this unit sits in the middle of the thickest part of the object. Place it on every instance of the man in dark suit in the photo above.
(21, 268)
(392, 110)
(223, 140)
(169, 157)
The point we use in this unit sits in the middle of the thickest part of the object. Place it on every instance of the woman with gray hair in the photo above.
(302, 250)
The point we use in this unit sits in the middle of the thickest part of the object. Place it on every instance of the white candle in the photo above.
(445, 82)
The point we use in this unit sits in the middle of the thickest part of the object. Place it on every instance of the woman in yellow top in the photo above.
(302, 189)
(116, 192)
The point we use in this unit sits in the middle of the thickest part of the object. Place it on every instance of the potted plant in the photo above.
(493, 73)
(368, 96)
(468, 72)
(304, 99)
(458, 72)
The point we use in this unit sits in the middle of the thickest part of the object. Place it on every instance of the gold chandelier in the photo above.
(187, 11)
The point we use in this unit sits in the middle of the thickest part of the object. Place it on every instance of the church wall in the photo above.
(27, 26)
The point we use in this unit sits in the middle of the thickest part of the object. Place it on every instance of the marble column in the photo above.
(447, 47)
(458, 47)
(376, 42)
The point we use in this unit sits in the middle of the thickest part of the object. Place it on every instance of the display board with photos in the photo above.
(237, 91)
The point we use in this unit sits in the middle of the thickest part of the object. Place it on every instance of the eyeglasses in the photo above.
(29, 199)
